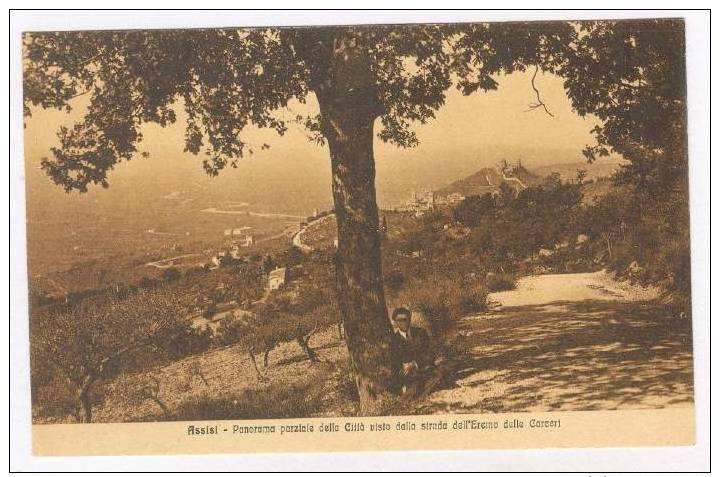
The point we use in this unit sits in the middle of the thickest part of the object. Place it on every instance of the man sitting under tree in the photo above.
(413, 357)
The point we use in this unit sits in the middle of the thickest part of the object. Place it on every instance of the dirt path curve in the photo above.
(568, 342)
(297, 239)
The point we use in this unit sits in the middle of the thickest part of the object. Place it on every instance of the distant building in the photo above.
(277, 278)
(454, 198)
(456, 231)
(249, 240)
(218, 258)
(420, 203)
(235, 232)
(430, 199)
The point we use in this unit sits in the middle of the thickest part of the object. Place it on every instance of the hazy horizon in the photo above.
(451, 147)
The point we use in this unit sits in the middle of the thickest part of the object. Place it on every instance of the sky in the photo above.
(469, 133)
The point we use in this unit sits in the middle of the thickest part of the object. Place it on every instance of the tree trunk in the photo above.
(349, 131)
(266, 357)
(85, 406)
(340, 76)
(254, 363)
(161, 405)
(608, 245)
(305, 345)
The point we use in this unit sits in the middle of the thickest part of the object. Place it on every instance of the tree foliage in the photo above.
(631, 75)
(84, 344)
(137, 77)
(514, 227)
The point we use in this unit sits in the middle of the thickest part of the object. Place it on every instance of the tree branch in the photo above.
(539, 103)
(77, 95)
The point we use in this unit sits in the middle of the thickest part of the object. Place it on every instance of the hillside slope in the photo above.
(530, 353)
(568, 170)
(488, 180)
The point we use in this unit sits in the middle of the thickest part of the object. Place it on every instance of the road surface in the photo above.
(568, 342)
(297, 239)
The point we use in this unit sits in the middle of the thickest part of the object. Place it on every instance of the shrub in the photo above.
(87, 343)
(474, 300)
(645, 237)
(276, 401)
(444, 299)
(496, 282)
(147, 282)
(394, 281)
(170, 274)
(185, 342)
(229, 331)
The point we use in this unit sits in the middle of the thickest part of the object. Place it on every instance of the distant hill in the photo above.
(521, 173)
(568, 171)
(488, 180)
(483, 181)
(596, 188)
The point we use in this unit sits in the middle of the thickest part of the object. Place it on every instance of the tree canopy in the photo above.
(629, 73)
(228, 79)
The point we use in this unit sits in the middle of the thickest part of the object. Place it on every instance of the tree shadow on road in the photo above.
(587, 355)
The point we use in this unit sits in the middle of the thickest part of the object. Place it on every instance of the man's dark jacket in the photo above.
(416, 347)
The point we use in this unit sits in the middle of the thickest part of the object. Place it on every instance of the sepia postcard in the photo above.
(410, 236)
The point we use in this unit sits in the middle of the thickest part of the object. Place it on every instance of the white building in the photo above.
(217, 259)
(277, 278)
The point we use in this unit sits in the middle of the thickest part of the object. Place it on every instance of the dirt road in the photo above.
(297, 239)
(568, 342)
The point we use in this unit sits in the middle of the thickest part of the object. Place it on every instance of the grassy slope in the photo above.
(233, 386)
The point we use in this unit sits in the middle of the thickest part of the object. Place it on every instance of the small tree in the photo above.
(605, 219)
(287, 318)
(195, 369)
(581, 175)
(474, 210)
(171, 274)
(82, 344)
(148, 389)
